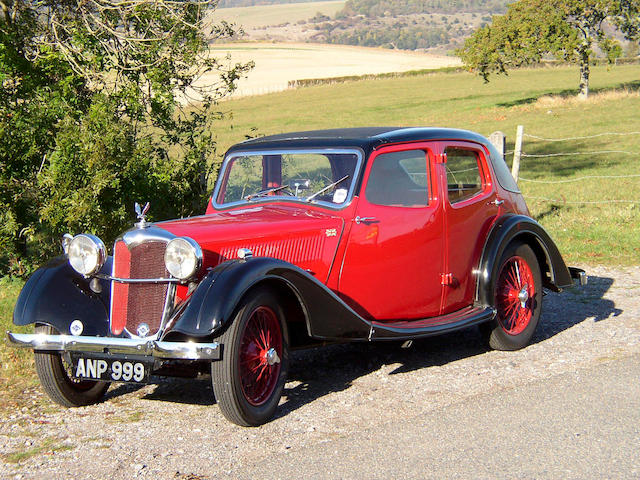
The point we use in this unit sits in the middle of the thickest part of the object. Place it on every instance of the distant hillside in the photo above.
(379, 8)
(438, 26)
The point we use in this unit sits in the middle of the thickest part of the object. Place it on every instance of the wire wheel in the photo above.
(515, 295)
(249, 379)
(260, 354)
(517, 289)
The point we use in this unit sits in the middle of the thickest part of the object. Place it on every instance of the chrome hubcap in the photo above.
(271, 356)
(523, 296)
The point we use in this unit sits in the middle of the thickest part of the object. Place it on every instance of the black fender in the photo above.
(213, 304)
(555, 274)
(57, 295)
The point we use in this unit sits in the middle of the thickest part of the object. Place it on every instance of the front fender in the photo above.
(57, 295)
(213, 304)
(508, 228)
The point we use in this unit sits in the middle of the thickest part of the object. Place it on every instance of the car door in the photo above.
(393, 259)
(470, 210)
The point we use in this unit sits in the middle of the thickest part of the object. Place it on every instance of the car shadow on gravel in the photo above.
(322, 371)
(192, 391)
(561, 311)
(326, 370)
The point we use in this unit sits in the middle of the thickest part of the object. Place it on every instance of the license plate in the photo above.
(111, 370)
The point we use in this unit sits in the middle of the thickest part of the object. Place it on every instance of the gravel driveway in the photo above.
(173, 430)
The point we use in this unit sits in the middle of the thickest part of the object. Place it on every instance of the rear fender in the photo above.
(508, 228)
(213, 304)
(57, 295)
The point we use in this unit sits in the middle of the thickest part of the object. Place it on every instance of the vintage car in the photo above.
(364, 234)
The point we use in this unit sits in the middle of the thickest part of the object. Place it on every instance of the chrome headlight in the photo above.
(183, 257)
(87, 254)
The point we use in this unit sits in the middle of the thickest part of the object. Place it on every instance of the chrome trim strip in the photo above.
(124, 346)
(139, 280)
(356, 174)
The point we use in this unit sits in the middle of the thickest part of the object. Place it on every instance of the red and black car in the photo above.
(365, 234)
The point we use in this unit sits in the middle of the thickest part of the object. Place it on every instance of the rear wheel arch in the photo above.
(512, 229)
(544, 262)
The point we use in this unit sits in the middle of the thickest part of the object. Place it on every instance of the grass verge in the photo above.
(18, 380)
(49, 446)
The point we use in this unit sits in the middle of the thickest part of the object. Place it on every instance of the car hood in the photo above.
(303, 236)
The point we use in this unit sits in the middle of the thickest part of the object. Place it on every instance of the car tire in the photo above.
(57, 382)
(517, 294)
(249, 380)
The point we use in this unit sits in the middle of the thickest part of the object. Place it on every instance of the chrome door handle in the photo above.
(365, 220)
(496, 202)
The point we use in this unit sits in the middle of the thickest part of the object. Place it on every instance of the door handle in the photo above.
(496, 202)
(366, 220)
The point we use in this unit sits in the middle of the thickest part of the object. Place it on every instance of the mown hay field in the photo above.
(277, 64)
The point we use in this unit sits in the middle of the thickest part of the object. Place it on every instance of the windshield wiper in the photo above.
(328, 187)
(262, 193)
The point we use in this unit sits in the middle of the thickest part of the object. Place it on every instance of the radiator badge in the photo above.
(141, 213)
(331, 232)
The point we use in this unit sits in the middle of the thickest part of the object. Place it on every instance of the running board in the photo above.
(405, 330)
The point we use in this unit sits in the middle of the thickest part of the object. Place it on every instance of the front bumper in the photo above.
(121, 346)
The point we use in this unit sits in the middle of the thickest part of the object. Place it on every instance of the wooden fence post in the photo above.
(517, 153)
(499, 140)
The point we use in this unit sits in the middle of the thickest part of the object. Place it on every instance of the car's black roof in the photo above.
(366, 138)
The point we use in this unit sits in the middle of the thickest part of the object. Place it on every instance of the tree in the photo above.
(565, 29)
(103, 103)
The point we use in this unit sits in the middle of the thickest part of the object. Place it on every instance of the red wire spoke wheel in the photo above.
(249, 379)
(517, 299)
(515, 295)
(260, 353)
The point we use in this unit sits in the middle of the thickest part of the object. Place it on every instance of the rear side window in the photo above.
(464, 177)
(399, 179)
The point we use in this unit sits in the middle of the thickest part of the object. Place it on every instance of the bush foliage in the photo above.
(92, 118)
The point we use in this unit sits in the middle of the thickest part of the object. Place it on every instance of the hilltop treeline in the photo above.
(398, 35)
(378, 8)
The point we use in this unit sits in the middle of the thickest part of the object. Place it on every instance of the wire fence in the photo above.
(533, 156)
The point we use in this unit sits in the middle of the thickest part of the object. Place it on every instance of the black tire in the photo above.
(517, 299)
(249, 380)
(59, 385)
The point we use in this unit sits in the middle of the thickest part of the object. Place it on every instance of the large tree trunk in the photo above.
(584, 72)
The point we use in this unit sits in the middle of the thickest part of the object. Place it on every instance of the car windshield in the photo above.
(313, 177)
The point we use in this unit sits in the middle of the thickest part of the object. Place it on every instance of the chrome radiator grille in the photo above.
(133, 304)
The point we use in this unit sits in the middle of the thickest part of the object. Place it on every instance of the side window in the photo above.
(464, 178)
(399, 179)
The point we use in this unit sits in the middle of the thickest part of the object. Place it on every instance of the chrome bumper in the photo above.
(579, 274)
(122, 346)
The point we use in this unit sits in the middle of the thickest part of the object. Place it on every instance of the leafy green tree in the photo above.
(565, 29)
(103, 103)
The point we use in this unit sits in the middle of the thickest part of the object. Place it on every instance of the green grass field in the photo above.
(264, 15)
(606, 231)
